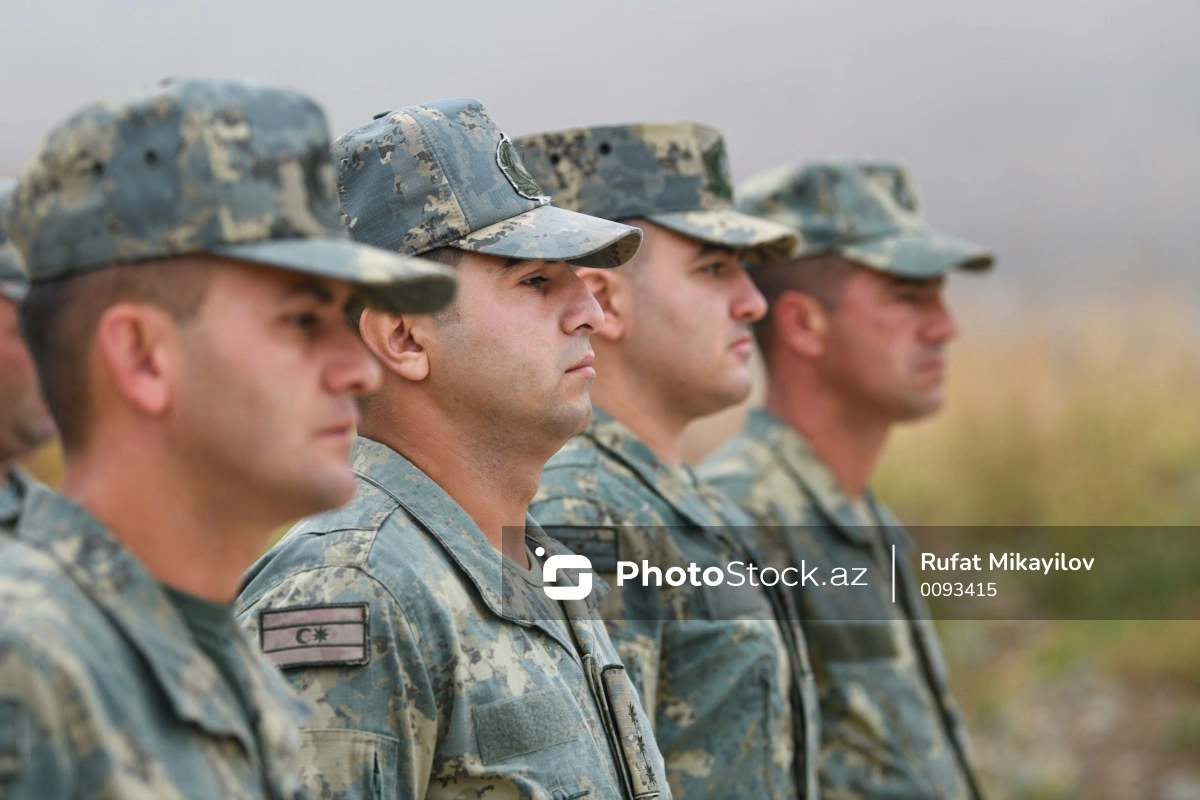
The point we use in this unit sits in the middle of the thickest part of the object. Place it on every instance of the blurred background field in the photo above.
(1068, 415)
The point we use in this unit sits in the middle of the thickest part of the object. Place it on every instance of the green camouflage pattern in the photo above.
(675, 174)
(231, 169)
(712, 662)
(443, 174)
(890, 724)
(866, 212)
(13, 281)
(473, 686)
(103, 692)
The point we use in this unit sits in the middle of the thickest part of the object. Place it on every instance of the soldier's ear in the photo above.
(141, 354)
(393, 340)
(610, 287)
(800, 325)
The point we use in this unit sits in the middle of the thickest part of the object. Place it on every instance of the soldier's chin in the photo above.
(920, 407)
(332, 488)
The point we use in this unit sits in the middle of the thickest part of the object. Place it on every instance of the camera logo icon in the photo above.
(550, 570)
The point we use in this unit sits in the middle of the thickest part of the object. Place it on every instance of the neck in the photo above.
(492, 479)
(632, 402)
(848, 443)
(189, 539)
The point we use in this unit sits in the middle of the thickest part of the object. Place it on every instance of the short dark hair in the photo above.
(821, 277)
(447, 256)
(59, 319)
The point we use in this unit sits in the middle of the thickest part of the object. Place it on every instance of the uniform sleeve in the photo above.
(346, 646)
(40, 754)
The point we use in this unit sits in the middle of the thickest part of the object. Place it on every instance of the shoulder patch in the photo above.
(14, 736)
(598, 544)
(316, 636)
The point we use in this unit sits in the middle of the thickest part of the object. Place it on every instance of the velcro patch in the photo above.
(600, 545)
(852, 641)
(316, 636)
(516, 726)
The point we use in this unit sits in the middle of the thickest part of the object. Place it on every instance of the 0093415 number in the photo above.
(958, 589)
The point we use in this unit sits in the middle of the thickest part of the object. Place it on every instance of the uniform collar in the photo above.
(688, 496)
(502, 590)
(107, 572)
(12, 495)
(796, 456)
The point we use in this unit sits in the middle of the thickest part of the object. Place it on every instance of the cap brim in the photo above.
(918, 254)
(761, 241)
(387, 281)
(13, 290)
(549, 233)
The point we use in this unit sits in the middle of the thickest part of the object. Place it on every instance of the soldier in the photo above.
(415, 618)
(24, 421)
(187, 320)
(713, 662)
(854, 342)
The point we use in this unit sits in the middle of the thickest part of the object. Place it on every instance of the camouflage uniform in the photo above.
(103, 690)
(443, 674)
(13, 492)
(724, 669)
(436, 670)
(13, 285)
(890, 725)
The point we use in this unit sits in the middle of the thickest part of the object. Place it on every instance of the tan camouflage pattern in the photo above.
(474, 686)
(866, 212)
(104, 694)
(713, 662)
(443, 174)
(675, 174)
(891, 727)
(13, 280)
(231, 169)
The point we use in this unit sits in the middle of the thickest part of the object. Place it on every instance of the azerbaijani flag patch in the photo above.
(316, 636)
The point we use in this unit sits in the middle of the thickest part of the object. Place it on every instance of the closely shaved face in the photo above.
(688, 329)
(24, 421)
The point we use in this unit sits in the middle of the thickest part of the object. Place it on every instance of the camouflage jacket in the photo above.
(103, 692)
(435, 670)
(712, 661)
(12, 497)
(890, 724)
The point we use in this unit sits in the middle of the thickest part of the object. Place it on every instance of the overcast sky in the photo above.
(1063, 133)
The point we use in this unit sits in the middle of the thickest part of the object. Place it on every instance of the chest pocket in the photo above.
(347, 763)
(520, 725)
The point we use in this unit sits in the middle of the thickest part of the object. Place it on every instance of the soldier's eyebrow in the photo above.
(514, 262)
(902, 282)
(709, 250)
(315, 289)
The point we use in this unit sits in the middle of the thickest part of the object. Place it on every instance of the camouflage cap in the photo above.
(675, 174)
(442, 174)
(13, 281)
(865, 212)
(231, 169)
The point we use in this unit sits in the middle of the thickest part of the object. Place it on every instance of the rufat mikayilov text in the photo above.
(1007, 562)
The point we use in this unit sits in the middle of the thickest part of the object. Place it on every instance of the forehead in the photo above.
(280, 285)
